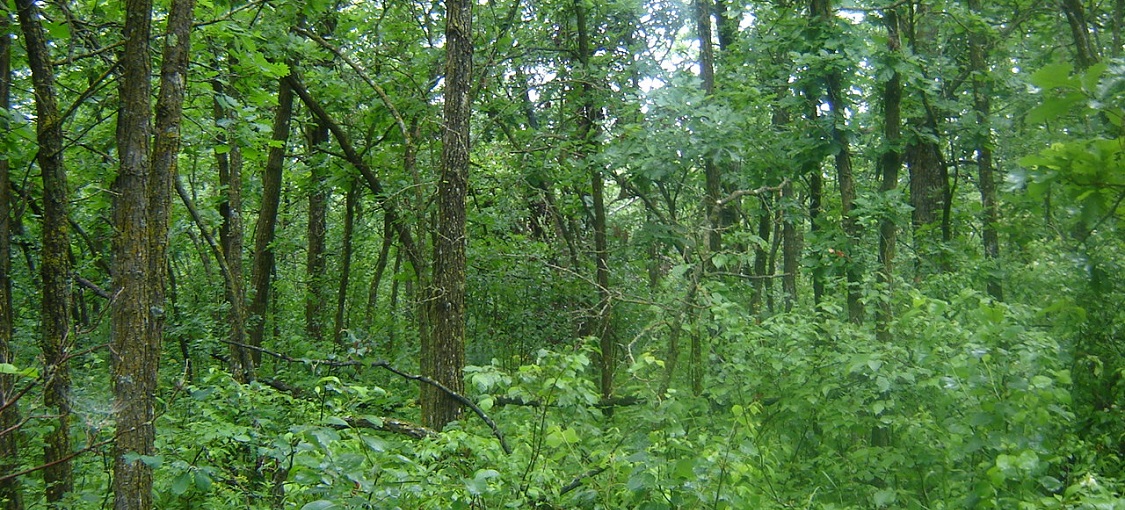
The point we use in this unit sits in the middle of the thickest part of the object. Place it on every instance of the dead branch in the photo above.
(386, 365)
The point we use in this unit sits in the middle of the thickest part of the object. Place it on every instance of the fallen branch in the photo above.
(390, 425)
(387, 366)
(601, 404)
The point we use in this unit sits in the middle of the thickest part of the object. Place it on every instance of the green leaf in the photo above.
(336, 420)
(1053, 76)
(202, 481)
(640, 481)
(884, 497)
(320, 504)
(376, 444)
(1054, 107)
(10, 369)
(181, 483)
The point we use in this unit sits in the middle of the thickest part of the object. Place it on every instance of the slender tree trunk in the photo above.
(11, 496)
(587, 119)
(346, 262)
(712, 174)
(982, 106)
(315, 262)
(377, 279)
(444, 356)
(1084, 53)
(761, 257)
(790, 249)
(823, 13)
(230, 239)
(1115, 27)
(889, 164)
(262, 268)
(54, 266)
(816, 192)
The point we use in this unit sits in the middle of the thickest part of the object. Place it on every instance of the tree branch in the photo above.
(386, 365)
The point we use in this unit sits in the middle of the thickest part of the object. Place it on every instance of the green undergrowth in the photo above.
(969, 406)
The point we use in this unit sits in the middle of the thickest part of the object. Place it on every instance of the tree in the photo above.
(263, 264)
(443, 349)
(140, 214)
(11, 497)
(889, 164)
(824, 23)
(55, 338)
(982, 144)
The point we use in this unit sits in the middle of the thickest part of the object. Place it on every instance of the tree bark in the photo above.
(262, 266)
(140, 212)
(587, 119)
(54, 340)
(11, 496)
(889, 164)
(229, 163)
(340, 323)
(1115, 27)
(982, 107)
(377, 278)
(837, 103)
(929, 175)
(315, 261)
(790, 249)
(1084, 53)
(712, 174)
(443, 350)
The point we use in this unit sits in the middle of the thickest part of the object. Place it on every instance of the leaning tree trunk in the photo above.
(982, 106)
(444, 350)
(11, 497)
(140, 215)
(54, 265)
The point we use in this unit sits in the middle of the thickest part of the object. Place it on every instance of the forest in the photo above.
(478, 254)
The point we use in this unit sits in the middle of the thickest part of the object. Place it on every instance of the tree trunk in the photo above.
(790, 249)
(377, 279)
(711, 172)
(55, 340)
(1084, 53)
(821, 10)
(241, 363)
(443, 352)
(929, 175)
(345, 262)
(982, 106)
(761, 256)
(315, 261)
(140, 213)
(1115, 27)
(587, 119)
(889, 164)
(262, 268)
(11, 497)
